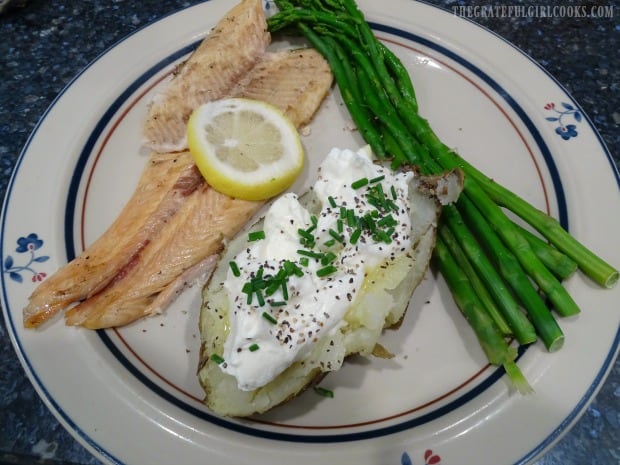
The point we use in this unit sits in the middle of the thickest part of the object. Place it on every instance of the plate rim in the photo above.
(68, 421)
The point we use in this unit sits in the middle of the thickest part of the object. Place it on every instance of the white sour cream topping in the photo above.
(259, 348)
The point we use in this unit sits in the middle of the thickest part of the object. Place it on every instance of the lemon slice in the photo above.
(245, 148)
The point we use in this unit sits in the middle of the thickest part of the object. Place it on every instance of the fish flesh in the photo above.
(208, 218)
(282, 79)
(296, 81)
(228, 52)
(209, 72)
(165, 182)
(197, 231)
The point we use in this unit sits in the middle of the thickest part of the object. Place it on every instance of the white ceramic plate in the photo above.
(131, 395)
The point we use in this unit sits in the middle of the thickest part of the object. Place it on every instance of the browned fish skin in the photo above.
(229, 51)
(165, 181)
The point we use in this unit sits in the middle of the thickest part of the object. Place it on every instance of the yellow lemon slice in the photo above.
(245, 148)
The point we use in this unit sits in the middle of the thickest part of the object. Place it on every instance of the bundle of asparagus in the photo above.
(506, 280)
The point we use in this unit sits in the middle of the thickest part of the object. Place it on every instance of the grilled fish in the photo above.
(165, 182)
(296, 81)
(208, 218)
(229, 51)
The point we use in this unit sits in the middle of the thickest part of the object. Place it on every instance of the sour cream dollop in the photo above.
(296, 279)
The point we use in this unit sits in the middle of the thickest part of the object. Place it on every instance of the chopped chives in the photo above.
(217, 359)
(339, 225)
(292, 269)
(391, 205)
(375, 202)
(332, 202)
(387, 221)
(377, 179)
(278, 303)
(269, 318)
(330, 242)
(284, 290)
(359, 183)
(343, 212)
(309, 253)
(382, 236)
(253, 348)
(328, 258)
(351, 218)
(273, 286)
(259, 297)
(369, 222)
(355, 236)
(234, 268)
(324, 392)
(305, 234)
(303, 261)
(336, 235)
(394, 194)
(326, 271)
(256, 236)
(249, 290)
(259, 274)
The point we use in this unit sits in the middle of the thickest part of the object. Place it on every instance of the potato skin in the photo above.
(382, 303)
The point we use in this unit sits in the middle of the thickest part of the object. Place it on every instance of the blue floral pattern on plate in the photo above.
(27, 246)
(564, 130)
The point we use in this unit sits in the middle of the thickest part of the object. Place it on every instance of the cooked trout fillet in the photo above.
(295, 81)
(210, 72)
(229, 51)
(298, 82)
(166, 180)
(198, 230)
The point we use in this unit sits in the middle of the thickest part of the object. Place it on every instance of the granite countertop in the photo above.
(45, 43)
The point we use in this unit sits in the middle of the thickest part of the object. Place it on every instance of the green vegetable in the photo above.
(460, 257)
(256, 236)
(476, 236)
(269, 318)
(491, 339)
(234, 268)
(324, 392)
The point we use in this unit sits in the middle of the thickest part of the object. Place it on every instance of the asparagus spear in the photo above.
(496, 348)
(559, 264)
(460, 257)
(513, 273)
(520, 325)
(379, 95)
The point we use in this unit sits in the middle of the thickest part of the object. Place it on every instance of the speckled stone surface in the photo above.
(45, 44)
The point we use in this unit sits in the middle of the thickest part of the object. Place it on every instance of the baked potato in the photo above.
(380, 301)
